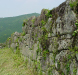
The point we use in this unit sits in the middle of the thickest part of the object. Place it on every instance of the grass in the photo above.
(12, 64)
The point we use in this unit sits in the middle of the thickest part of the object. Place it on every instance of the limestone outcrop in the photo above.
(50, 41)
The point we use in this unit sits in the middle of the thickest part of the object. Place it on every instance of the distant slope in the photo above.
(9, 25)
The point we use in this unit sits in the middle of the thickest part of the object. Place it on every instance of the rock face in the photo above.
(48, 40)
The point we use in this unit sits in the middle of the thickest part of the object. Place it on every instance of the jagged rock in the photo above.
(51, 59)
(48, 24)
(48, 41)
(64, 44)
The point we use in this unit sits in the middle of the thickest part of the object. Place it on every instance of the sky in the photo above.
(10, 8)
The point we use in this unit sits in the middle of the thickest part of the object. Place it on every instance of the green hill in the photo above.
(9, 25)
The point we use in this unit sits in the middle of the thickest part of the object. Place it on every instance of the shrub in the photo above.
(73, 4)
(33, 20)
(23, 34)
(48, 14)
(76, 31)
(43, 22)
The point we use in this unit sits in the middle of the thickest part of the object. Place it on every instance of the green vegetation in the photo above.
(24, 22)
(48, 14)
(58, 64)
(17, 40)
(23, 33)
(12, 64)
(76, 31)
(73, 4)
(11, 24)
(68, 67)
(45, 54)
(50, 71)
(43, 22)
(44, 42)
(38, 50)
(74, 71)
(33, 20)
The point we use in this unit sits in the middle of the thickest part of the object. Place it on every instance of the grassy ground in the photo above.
(12, 64)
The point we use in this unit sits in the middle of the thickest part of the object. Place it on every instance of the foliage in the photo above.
(25, 22)
(74, 71)
(76, 31)
(43, 22)
(38, 50)
(73, 4)
(76, 23)
(48, 14)
(45, 52)
(50, 71)
(43, 41)
(16, 40)
(68, 67)
(36, 35)
(9, 25)
(58, 64)
(23, 34)
(33, 20)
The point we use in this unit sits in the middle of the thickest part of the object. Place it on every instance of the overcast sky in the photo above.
(9, 8)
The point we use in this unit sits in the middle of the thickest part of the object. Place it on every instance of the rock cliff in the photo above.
(50, 41)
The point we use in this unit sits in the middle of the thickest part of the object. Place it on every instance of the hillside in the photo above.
(9, 25)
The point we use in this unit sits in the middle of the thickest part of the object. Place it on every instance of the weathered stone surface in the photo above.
(73, 67)
(55, 72)
(64, 44)
(53, 47)
(48, 24)
(51, 59)
(77, 56)
(48, 41)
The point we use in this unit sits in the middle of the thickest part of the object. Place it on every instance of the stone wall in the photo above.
(48, 42)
